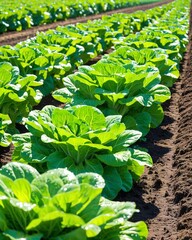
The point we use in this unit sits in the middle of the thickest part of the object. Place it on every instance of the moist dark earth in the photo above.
(164, 192)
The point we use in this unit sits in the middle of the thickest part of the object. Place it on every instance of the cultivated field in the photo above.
(110, 101)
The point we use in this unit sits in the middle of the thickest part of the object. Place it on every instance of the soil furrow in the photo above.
(183, 153)
(164, 225)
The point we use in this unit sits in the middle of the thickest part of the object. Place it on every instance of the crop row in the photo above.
(19, 15)
(38, 65)
(109, 106)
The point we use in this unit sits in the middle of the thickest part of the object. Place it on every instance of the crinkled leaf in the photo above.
(51, 182)
(15, 170)
(135, 231)
(142, 157)
(161, 93)
(92, 179)
(5, 186)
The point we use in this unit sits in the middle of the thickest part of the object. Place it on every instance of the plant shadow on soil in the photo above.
(147, 210)
(156, 137)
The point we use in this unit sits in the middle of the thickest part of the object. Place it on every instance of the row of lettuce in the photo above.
(20, 15)
(86, 152)
(38, 65)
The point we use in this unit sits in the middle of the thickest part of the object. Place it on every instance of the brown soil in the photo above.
(164, 193)
(11, 38)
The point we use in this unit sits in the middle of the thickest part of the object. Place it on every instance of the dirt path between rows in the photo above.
(12, 38)
(164, 193)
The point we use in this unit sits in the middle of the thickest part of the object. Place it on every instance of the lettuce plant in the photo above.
(168, 32)
(155, 39)
(121, 88)
(156, 57)
(59, 205)
(82, 139)
(17, 94)
(48, 64)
